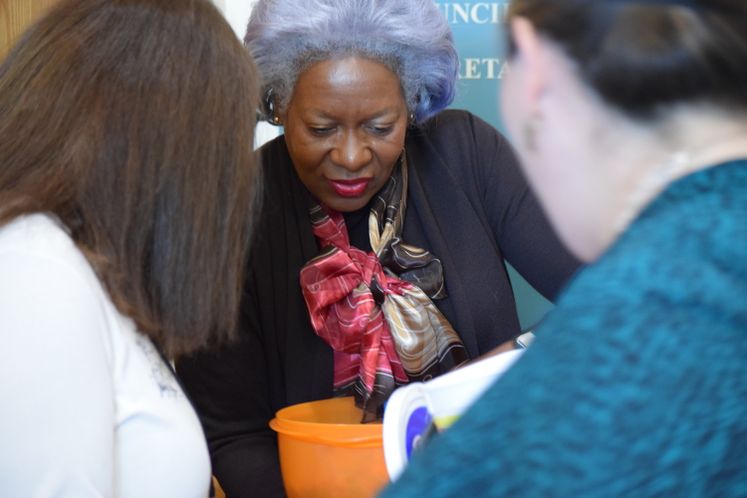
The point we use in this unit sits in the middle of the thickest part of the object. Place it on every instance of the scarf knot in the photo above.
(374, 309)
(352, 279)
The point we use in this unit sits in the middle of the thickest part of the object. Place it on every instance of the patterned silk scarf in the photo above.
(375, 309)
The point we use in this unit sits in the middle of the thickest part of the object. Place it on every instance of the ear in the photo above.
(529, 56)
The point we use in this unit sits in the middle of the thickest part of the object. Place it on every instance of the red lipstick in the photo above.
(349, 188)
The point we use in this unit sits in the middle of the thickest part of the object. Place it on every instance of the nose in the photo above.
(352, 152)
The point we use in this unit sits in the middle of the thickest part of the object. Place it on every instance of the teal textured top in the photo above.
(637, 383)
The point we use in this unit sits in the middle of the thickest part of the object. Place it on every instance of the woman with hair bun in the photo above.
(380, 256)
(631, 124)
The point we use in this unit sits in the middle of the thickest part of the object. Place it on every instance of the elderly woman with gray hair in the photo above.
(380, 254)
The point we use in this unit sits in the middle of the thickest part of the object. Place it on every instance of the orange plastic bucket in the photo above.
(326, 452)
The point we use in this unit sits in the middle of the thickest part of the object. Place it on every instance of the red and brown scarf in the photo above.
(375, 309)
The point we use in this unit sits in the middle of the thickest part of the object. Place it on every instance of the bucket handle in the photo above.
(358, 442)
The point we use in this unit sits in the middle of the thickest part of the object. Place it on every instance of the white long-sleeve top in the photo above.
(87, 406)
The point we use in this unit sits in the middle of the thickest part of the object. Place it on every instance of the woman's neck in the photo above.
(356, 223)
(644, 160)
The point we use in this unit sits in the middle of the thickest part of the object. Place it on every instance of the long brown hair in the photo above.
(132, 122)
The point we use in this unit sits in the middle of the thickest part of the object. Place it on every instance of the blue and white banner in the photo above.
(480, 34)
(478, 29)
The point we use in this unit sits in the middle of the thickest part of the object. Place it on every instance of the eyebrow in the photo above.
(318, 113)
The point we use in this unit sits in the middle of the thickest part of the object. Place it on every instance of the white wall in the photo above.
(221, 4)
(237, 13)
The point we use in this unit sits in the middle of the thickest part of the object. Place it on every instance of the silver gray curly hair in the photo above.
(410, 37)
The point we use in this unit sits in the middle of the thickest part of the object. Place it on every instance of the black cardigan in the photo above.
(467, 203)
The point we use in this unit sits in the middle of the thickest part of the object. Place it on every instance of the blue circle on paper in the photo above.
(417, 424)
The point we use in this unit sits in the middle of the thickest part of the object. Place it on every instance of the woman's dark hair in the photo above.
(132, 122)
(642, 56)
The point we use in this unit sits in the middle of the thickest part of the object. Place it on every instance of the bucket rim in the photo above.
(366, 441)
(331, 433)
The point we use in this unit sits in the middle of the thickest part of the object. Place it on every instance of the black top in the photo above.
(467, 203)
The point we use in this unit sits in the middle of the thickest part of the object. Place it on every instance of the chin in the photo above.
(587, 251)
(583, 254)
(346, 205)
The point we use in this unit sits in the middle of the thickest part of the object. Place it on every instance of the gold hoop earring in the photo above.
(270, 109)
(530, 131)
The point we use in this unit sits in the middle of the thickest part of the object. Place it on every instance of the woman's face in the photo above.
(345, 129)
(551, 117)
